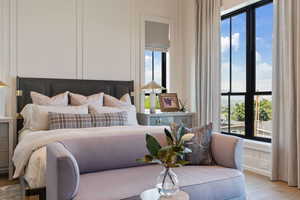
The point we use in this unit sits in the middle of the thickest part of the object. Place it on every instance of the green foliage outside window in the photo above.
(147, 102)
(238, 111)
(265, 110)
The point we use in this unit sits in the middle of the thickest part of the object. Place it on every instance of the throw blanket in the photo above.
(35, 140)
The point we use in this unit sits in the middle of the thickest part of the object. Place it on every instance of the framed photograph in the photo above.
(169, 102)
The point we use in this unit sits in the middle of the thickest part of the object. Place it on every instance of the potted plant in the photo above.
(170, 156)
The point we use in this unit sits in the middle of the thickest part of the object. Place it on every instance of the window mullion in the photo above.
(230, 75)
(164, 70)
(250, 73)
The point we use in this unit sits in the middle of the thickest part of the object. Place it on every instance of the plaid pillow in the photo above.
(63, 120)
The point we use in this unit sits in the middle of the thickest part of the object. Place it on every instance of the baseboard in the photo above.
(258, 171)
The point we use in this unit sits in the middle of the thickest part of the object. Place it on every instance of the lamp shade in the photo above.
(2, 84)
(152, 85)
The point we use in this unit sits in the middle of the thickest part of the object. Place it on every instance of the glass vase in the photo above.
(167, 182)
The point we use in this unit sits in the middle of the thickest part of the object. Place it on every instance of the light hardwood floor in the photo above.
(258, 188)
(261, 188)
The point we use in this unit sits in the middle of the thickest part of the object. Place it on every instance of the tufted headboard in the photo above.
(51, 87)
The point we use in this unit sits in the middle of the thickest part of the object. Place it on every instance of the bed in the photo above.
(31, 150)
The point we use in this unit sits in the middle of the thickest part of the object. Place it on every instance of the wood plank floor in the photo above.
(258, 188)
(261, 188)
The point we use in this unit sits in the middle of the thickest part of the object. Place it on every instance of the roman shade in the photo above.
(157, 36)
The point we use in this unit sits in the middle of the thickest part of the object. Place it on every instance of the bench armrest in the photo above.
(227, 151)
(62, 173)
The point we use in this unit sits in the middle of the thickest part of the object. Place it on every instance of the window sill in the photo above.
(257, 145)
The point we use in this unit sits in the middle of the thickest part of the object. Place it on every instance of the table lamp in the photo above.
(153, 87)
(2, 99)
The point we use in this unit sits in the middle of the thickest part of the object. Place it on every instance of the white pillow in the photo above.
(58, 100)
(78, 99)
(114, 102)
(131, 112)
(36, 116)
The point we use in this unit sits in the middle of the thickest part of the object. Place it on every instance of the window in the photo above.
(155, 69)
(246, 68)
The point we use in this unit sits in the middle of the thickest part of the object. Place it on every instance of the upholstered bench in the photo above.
(105, 169)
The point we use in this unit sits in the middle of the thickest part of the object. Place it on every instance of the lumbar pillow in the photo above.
(114, 102)
(58, 100)
(62, 121)
(130, 110)
(36, 116)
(78, 99)
(200, 146)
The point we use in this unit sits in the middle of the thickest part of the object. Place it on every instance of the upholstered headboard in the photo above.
(51, 87)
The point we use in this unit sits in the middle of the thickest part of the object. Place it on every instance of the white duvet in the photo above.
(30, 153)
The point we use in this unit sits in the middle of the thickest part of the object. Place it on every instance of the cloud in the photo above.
(238, 78)
(258, 56)
(259, 39)
(148, 75)
(147, 58)
(235, 40)
(224, 44)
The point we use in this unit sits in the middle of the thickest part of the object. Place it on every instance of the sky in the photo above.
(264, 29)
(148, 67)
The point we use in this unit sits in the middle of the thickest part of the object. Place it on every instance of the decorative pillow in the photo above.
(114, 102)
(78, 99)
(62, 121)
(130, 110)
(58, 100)
(36, 116)
(200, 146)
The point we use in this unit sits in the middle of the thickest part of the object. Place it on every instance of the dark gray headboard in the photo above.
(51, 87)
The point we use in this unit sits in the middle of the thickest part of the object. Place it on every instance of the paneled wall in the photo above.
(106, 39)
(46, 38)
(82, 39)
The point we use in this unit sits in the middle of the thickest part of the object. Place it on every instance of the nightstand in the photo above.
(6, 145)
(165, 119)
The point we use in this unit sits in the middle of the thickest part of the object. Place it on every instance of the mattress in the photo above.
(34, 143)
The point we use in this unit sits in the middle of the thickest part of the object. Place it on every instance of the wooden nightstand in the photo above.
(165, 119)
(6, 145)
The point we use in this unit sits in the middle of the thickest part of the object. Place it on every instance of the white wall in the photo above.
(227, 4)
(89, 39)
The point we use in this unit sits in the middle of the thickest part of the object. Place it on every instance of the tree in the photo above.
(265, 110)
(238, 112)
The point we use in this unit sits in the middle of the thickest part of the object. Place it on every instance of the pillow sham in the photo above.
(58, 100)
(130, 110)
(78, 99)
(36, 116)
(63, 121)
(200, 146)
(114, 102)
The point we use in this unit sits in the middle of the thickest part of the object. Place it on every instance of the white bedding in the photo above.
(30, 154)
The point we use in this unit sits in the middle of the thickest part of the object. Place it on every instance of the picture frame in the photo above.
(169, 102)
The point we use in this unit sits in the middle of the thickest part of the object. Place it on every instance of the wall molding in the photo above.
(79, 38)
(259, 146)
(257, 171)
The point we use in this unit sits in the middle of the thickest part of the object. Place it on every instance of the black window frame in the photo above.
(163, 70)
(250, 70)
